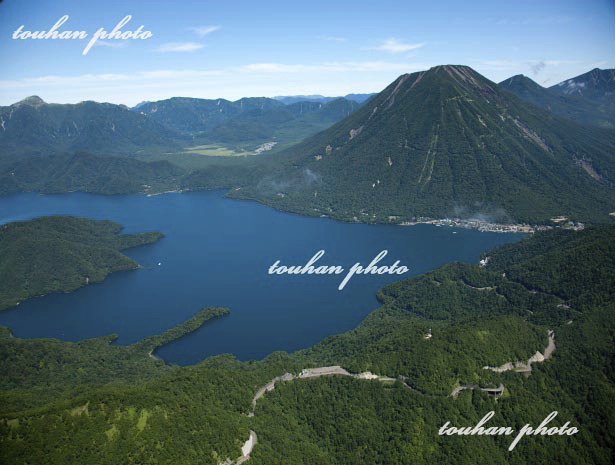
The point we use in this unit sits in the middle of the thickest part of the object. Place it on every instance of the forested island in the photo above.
(61, 254)
(433, 333)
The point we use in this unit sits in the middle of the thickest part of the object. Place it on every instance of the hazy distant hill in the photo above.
(438, 143)
(86, 173)
(596, 84)
(288, 99)
(32, 124)
(247, 119)
(577, 101)
(195, 115)
(446, 142)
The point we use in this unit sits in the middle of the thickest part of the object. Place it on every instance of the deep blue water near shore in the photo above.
(216, 252)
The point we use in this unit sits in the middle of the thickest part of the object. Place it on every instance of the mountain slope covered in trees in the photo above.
(247, 120)
(32, 124)
(440, 143)
(61, 254)
(598, 110)
(476, 316)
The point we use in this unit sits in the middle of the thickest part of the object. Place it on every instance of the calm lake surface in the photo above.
(217, 252)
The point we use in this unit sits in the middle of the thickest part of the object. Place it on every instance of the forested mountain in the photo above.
(247, 119)
(60, 254)
(288, 99)
(85, 172)
(598, 111)
(596, 84)
(166, 126)
(195, 115)
(446, 142)
(99, 403)
(32, 124)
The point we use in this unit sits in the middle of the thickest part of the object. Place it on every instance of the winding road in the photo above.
(336, 370)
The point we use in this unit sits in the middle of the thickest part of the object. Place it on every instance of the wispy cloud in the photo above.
(332, 38)
(174, 75)
(107, 43)
(326, 78)
(180, 47)
(334, 66)
(202, 31)
(537, 67)
(529, 20)
(394, 45)
(499, 64)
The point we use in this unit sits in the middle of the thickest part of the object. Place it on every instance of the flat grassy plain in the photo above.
(214, 150)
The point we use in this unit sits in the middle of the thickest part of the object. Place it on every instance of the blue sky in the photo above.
(232, 49)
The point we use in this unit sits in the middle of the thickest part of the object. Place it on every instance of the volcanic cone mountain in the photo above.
(446, 142)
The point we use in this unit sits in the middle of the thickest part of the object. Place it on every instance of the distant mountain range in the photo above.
(446, 142)
(32, 124)
(595, 84)
(587, 99)
(288, 99)
(247, 119)
(438, 143)
(166, 125)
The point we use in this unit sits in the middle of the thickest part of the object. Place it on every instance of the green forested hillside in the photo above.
(476, 316)
(247, 120)
(61, 254)
(441, 143)
(598, 112)
(86, 173)
(595, 84)
(32, 124)
(445, 142)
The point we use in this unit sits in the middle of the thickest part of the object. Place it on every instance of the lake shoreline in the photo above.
(217, 252)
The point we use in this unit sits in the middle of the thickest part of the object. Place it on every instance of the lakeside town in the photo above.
(485, 226)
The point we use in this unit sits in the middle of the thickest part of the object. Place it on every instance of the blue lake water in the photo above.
(216, 252)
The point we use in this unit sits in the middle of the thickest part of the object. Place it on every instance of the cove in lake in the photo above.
(217, 252)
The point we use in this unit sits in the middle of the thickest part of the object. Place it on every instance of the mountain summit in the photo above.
(33, 125)
(573, 105)
(446, 142)
(33, 101)
(594, 84)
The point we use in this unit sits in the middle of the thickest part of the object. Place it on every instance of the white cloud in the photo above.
(107, 43)
(180, 47)
(530, 20)
(393, 45)
(334, 66)
(500, 64)
(332, 38)
(254, 79)
(535, 66)
(202, 31)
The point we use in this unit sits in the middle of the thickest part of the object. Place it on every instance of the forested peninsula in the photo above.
(60, 254)
(91, 402)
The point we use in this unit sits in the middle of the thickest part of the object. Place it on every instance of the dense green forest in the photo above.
(33, 124)
(115, 404)
(445, 142)
(82, 171)
(61, 254)
(595, 110)
(165, 128)
(247, 121)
